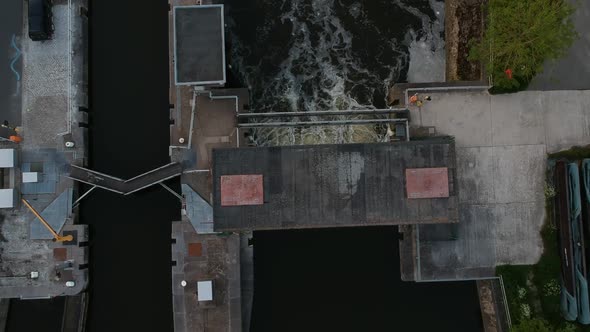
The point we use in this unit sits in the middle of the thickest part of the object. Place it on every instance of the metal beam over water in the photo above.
(82, 197)
(319, 123)
(324, 113)
(172, 191)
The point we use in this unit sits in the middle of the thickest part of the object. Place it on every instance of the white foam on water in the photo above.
(320, 73)
(427, 52)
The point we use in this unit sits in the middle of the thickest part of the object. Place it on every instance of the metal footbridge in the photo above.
(125, 187)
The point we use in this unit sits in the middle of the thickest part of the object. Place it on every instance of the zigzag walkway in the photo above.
(125, 187)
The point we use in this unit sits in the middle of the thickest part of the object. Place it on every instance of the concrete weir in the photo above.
(496, 179)
(211, 243)
(53, 134)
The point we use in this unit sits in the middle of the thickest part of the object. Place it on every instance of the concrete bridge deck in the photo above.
(125, 187)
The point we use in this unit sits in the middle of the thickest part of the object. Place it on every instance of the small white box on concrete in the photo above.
(7, 198)
(30, 177)
(7, 158)
(205, 290)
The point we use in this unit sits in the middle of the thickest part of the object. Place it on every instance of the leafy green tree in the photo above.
(520, 35)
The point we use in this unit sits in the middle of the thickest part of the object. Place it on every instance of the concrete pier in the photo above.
(208, 257)
(53, 135)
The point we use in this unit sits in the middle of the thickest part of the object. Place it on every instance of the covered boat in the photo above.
(575, 214)
(569, 303)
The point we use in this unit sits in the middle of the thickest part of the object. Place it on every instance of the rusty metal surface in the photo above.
(427, 182)
(195, 249)
(60, 254)
(239, 190)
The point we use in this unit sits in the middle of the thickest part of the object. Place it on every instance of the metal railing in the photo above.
(506, 309)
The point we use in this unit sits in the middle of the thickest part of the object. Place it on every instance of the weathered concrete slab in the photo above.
(567, 118)
(465, 116)
(46, 77)
(501, 174)
(487, 235)
(558, 119)
(517, 120)
(502, 145)
(516, 232)
(469, 254)
(21, 256)
(476, 181)
(519, 173)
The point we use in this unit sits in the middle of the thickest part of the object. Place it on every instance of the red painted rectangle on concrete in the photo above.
(427, 182)
(195, 249)
(242, 190)
(60, 254)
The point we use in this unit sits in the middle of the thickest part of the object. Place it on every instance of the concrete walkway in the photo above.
(125, 187)
(502, 143)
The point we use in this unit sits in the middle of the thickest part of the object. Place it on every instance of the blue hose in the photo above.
(16, 57)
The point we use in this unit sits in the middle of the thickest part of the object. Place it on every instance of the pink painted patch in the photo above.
(241, 190)
(427, 182)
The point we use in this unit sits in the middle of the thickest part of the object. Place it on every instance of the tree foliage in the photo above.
(520, 35)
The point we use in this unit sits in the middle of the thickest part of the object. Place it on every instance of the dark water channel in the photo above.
(35, 315)
(130, 236)
(348, 279)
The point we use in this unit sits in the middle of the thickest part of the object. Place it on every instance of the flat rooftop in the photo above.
(330, 185)
(199, 45)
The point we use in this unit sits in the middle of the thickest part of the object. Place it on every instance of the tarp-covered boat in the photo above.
(575, 214)
(569, 303)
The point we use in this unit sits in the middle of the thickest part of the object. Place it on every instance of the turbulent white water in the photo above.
(427, 53)
(326, 55)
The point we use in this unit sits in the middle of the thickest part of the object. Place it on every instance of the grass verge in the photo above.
(533, 291)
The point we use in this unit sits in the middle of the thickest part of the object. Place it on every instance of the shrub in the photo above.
(520, 36)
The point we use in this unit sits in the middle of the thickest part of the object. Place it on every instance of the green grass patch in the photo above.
(546, 274)
(533, 291)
